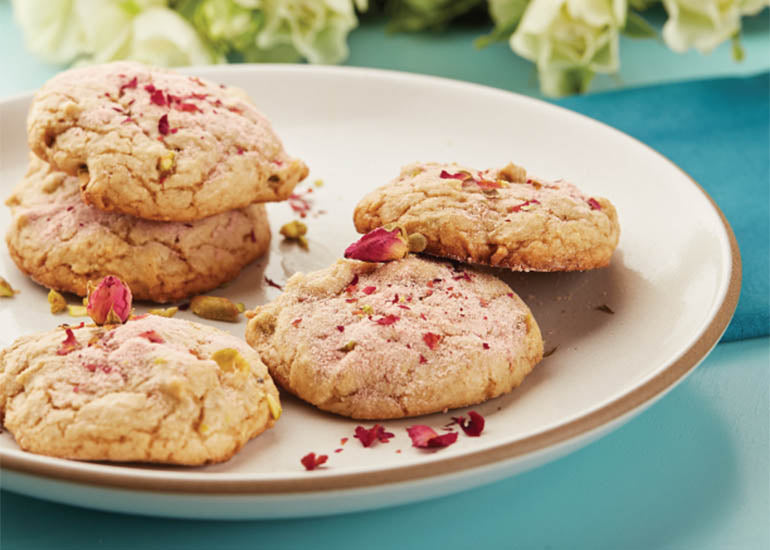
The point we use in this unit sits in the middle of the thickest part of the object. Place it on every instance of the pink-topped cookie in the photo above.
(404, 338)
(159, 145)
(500, 217)
(152, 390)
(62, 243)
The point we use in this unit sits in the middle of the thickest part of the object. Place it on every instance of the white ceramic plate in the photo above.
(673, 286)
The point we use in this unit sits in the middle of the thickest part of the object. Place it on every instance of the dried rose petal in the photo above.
(189, 107)
(379, 245)
(388, 320)
(163, 125)
(431, 339)
(368, 436)
(523, 206)
(128, 85)
(425, 437)
(272, 283)
(456, 176)
(310, 461)
(473, 426)
(109, 301)
(152, 336)
(69, 344)
(444, 440)
(594, 204)
(157, 97)
(368, 290)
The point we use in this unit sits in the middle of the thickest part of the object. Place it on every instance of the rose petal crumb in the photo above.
(473, 426)
(310, 461)
(369, 436)
(425, 437)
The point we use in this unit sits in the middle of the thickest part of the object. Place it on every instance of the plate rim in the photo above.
(581, 427)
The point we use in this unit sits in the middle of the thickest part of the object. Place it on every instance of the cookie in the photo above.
(399, 339)
(62, 243)
(159, 145)
(152, 390)
(499, 217)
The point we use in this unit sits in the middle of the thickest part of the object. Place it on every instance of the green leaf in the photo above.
(638, 27)
(411, 15)
(506, 14)
(641, 5)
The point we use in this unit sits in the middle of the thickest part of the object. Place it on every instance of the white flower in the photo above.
(63, 31)
(162, 37)
(316, 29)
(570, 40)
(704, 24)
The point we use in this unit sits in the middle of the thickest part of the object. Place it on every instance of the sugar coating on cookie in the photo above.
(62, 243)
(500, 217)
(152, 390)
(159, 145)
(392, 340)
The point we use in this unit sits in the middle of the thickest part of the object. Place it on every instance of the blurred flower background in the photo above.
(569, 41)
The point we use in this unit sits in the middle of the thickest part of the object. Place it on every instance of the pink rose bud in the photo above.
(379, 245)
(109, 301)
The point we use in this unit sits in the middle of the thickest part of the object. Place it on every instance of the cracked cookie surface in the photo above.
(500, 217)
(159, 145)
(152, 390)
(405, 338)
(62, 243)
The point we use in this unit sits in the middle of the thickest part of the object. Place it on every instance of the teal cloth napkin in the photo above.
(718, 132)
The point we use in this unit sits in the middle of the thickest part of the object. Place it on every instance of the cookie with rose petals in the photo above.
(151, 390)
(499, 217)
(62, 243)
(397, 339)
(156, 144)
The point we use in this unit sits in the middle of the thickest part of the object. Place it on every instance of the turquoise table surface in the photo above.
(692, 472)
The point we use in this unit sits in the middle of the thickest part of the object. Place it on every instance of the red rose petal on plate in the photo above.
(473, 426)
(368, 436)
(421, 434)
(310, 461)
(443, 440)
(425, 437)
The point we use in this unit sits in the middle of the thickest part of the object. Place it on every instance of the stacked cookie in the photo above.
(149, 175)
(370, 339)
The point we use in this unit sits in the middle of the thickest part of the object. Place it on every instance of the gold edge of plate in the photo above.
(614, 410)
